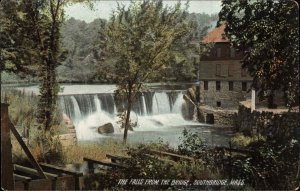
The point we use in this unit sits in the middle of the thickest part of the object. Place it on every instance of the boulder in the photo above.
(158, 123)
(191, 92)
(106, 128)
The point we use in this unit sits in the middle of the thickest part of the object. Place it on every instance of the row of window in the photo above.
(230, 70)
(218, 52)
(230, 86)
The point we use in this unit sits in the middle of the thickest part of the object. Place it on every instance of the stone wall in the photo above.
(69, 138)
(222, 118)
(271, 124)
(205, 113)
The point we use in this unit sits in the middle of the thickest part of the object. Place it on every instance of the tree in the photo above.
(267, 32)
(140, 38)
(31, 34)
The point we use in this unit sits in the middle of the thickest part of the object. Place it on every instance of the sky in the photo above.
(103, 8)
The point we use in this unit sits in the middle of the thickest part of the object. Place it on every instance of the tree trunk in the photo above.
(127, 120)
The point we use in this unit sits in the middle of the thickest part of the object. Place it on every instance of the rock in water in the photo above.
(106, 128)
(191, 92)
(158, 123)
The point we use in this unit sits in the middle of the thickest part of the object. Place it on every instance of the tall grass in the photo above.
(75, 154)
(44, 146)
(22, 108)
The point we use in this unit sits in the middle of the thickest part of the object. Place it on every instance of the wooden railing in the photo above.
(41, 176)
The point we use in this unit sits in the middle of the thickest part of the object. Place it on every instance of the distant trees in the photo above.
(140, 38)
(267, 32)
(80, 39)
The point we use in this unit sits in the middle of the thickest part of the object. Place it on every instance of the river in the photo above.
(159, 113)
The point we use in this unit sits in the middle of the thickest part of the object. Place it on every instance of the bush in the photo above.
(272, 164)
(240, 140)
(192, 144)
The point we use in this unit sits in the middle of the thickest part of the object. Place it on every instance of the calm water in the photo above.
(173, 136)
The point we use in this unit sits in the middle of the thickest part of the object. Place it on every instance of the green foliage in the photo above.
(271, 166)
(259, 29)
(141, 39)
(31, 43)
(38, 38)
(272, 163)
(79, 38)
(192, 144)
(17, 53)
(145, 166)
(240, 140)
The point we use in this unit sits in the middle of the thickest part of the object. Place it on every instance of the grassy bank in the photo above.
(75, 153)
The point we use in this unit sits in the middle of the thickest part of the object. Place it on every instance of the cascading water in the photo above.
(158, 114)
(76, 110)
(97, 103)
(144, 105)
(152, 111)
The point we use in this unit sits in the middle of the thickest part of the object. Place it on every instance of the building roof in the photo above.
(216, 35)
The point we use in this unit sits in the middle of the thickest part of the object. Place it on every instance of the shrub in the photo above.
(192, 144)
(241, 140)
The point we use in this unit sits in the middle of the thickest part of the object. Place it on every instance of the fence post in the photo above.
(7, 181)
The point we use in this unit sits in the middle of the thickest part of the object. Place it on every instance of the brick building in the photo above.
(223, 82)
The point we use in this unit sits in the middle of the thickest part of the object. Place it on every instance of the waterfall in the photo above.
(152, 110)
(177, 107)
(107, 103)
(97, 103)
(160, 103)
(144, 105)
(76, 110)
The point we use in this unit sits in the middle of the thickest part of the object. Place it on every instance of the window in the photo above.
(218, 70)
(218, 104)
(205, 85)
(232, 52)
(244, 86)
(218, 85)
(230, 86)
(244, 72)
(218, 52)
(230, 70)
